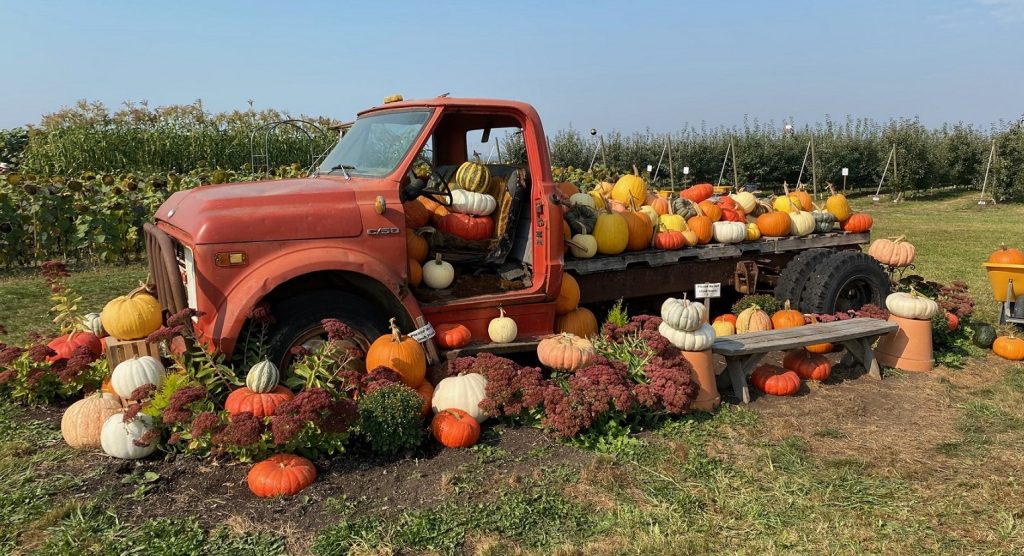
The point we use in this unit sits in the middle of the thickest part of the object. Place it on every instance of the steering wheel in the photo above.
(442, 195)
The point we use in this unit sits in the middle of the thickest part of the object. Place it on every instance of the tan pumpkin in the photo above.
(753, 319)
(568, 296)
(580, 322)
(83, 420)
(399, 353)
(133, 316)
(565, 352)
(801, 223)
(723, 328)
(660, 204)
(895, 251)
(502, 330)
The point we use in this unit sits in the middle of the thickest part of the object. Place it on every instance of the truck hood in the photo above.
(276, 210)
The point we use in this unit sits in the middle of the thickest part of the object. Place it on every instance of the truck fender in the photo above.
(260, 281)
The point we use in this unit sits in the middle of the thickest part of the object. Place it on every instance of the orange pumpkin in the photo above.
(1006, 255)
(787, 318)
(399, 353)
(773, 224)
(1009, 347)
(700, 225)
(858, 222)
(416, 214)
(244, 400)
(467, 226)
(281, 475)
(416, 246)
(698, 192)
(426, 392)
(710, 210)
(566, 231)
(822, 348)
(580, 322)
(65, 345)
(415, 272)
(806, 365)
(661, 205)
(640, 230)
(452, 335)
(454, 428)
(775, 380)
(566, 189)
(804, 198)
(568, 295)
(669, 240)
(728, 317)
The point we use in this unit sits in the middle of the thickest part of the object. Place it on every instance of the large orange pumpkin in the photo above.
(467, 226)
(416, 214)
(710, 210)
(416, 246)
(698, 192)
(808, 366)
(701, 225)
(452, 335)
(640, 230)
(244, 400)
(580, 322)
(1006, 255)
(661, 205)
(775, 380)
(454, 428)
(65, 345)
(399, 353)
(857, 222)
(787, 318)
(773, 224)
(1009, 347)
(568, 296)
(281, 475)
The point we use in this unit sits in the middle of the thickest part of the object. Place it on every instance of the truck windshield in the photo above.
(376, 144)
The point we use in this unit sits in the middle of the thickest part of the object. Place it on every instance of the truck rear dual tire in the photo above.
(794, 277)
(843, 281)
(299, 321)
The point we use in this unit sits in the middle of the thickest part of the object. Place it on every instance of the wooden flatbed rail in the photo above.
(743, 351)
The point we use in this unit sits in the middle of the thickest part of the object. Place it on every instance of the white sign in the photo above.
(706, 290)
(846, 171)
(423, 333)
(686, 170)
(649, 167)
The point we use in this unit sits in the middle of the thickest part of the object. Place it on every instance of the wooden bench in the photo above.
(743, 351)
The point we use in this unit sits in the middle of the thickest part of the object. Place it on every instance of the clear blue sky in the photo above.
(624, 65)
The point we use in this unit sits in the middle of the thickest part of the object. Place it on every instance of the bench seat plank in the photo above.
(800, 336)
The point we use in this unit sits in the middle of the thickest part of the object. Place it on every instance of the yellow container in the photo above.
(1000, 274)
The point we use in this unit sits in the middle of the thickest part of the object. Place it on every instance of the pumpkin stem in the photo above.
(437, 261)
(786, 305)
(396, 334)
(143, 288)
(501, 312)
(574, 244)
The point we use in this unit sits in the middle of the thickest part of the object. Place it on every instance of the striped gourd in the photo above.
(473, 176)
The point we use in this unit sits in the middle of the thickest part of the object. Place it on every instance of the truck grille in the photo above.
(163, 269)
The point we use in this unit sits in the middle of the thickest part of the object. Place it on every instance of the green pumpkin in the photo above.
(984, 335)
(684, 207)
(581, 219)
(824, 221)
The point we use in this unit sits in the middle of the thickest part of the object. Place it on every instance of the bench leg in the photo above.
(859, 350)
(739, 368)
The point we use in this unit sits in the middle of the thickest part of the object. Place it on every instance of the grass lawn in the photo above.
(913, 464)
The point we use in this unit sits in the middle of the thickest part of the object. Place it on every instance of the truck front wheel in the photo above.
(299, 322)
(846, 280)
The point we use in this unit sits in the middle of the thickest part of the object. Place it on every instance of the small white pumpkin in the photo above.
(262, 377)
(729, 232)
(117, 438)
(470, 202)
(83, 420)
(698, 340)
(746, 200)
(438, 274)
(91, 323)
(911, 305)
(583, 246)
(581, 199)
(683, 314)
(137, 371)
(801, 223)
(502, 329)
(463, 392)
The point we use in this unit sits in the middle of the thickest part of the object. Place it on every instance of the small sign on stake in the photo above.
(706, 292)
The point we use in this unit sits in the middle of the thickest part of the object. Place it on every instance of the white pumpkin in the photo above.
(91, 323)
(583, 246)
(683, 314)
(137, 371)
(801, 223)
(83, 420)
(117, 438)
(438, 274)
(746, 200)
(263, 377)
(470, 202)
(581, 199)
(729, 232)
(698, 340)
(463, 392)
(911, 305)
(502, 329)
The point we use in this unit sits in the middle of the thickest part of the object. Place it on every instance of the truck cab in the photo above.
(334, 245)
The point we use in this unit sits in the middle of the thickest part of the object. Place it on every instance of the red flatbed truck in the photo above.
(334, 244)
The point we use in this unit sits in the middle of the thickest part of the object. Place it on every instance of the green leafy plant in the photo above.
(766, 302)
(618, 315)
(390, 419)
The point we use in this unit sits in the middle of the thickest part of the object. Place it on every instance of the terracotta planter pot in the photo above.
(704, 373)
(909, 348)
